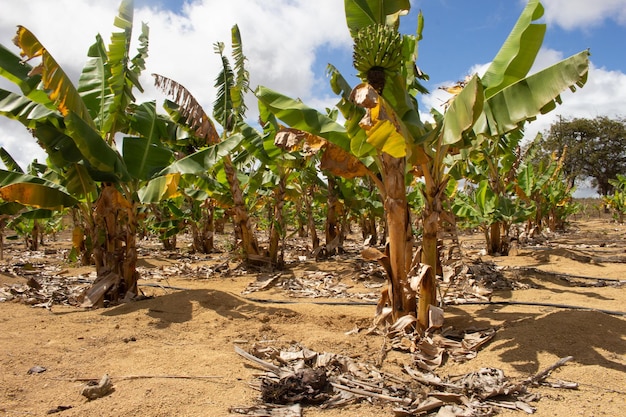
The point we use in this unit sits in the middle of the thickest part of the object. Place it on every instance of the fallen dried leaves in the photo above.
(330, 380)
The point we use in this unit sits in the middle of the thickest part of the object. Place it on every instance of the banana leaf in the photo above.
(10, 208)
(9, 162)
(56, 83)
(79, 182)
(36, 214)
(93, 85)
(518, 53)
(352, 113)
(24, 110)
(94, 148)
(160, 188)
(522, 101)
(299, 116)
(37, 195)
(465, 109)
(145, 156)
(15, 70)
(361, 13)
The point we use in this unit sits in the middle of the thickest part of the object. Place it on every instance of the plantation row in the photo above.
(370, 160)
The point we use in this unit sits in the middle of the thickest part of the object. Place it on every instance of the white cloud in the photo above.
(577, 14)
(280, 39)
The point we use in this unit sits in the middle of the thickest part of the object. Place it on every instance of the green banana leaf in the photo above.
(256, 146)
(93, 84)
(13, 177)
(60, 148)
(465, 109)
(36, 214)
(9, 162)
(241, 83)
(122, 78)
(352, 113)
(205, 159)
(362, 13)
(10, 208)
(15, 70)
(24, 110)
(299, 116)
(518, 53)
(94, 149)
(522, 101)
(145, 156)
(79, 182)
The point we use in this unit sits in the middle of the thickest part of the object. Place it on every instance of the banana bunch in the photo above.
(377, 46)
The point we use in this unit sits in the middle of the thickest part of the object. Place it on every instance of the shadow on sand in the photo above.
(179, 307)
(592, 338)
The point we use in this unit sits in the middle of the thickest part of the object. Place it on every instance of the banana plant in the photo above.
(77, 127)
(618, 199)
(561, 204)
(483, 208)
(494, 165)
(389, 140)
(534, 184)
(229, 110)
(27, 199)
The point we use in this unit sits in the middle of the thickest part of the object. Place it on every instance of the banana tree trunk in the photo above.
(278, 223)
(35, 236)
(332, 226)
(402, 297)
(495, 238)
(240, 212)
(430, 252)
(203, 230)
(115, 251)
(315, 240)
(2, 225)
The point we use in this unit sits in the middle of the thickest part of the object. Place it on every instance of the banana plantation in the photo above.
(370, 170)
(371, 162)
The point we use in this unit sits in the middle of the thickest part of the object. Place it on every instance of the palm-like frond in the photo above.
(9, 162)
(93, 84)
(242, 76)
(223, 104)
(190, 109)
(122, 79)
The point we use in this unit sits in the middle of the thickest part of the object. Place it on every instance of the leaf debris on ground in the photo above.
(298, 376)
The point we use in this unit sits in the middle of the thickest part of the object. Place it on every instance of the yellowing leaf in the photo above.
(384, 137)
(37, 195)
(172, 181)
(57, 84)
(382, 129)
(341, 163)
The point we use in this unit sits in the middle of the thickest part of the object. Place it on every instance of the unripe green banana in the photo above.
(377, 46)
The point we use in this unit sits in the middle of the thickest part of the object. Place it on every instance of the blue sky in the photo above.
(290, 42)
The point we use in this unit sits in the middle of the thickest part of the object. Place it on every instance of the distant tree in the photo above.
(596, 149)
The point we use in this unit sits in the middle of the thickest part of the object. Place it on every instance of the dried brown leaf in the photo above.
(339, 162)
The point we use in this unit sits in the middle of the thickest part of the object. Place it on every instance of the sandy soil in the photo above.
(153, 348)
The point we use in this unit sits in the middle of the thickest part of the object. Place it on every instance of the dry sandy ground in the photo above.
(153, 348)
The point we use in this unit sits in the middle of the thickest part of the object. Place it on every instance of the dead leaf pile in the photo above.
(476, 281)
(320, 284)
(44, 287)
(296, 376)
(312, 284)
